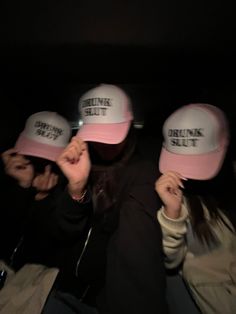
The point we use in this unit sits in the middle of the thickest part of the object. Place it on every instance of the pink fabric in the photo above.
(26, 146)
(199, 167)
(104, 133)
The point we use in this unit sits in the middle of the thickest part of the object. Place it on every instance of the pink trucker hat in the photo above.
(45, 135)
(106, 114)
(196, 137)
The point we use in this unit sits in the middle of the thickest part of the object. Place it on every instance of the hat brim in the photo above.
(198, 167)
(26, 146)
(113, 133)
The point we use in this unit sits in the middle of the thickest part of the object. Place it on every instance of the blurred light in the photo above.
(75, 125)
(138, 124)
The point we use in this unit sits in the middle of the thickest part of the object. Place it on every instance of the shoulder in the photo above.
(142, 170)
(138, 181)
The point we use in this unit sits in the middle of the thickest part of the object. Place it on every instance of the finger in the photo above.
(77, 139)
(78, 144)
(176, 177)
(70, 154)
(165, 180)
(177, 174)
(18, 158)
(167, 185)
(15, 164)
(55, 179)
(40, 182)
(48, 183)
(52, 181)
(7, 157)
(47, 170)
(179, 193)
(10, 152)
(35, 181)
(45, 177)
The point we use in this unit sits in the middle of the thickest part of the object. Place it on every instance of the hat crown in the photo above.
(49, 128)
(196, 137)
(195, 129)
(105, 104)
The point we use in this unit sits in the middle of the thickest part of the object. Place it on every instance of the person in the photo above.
(29, 181)
(109, 210)
(197, 189)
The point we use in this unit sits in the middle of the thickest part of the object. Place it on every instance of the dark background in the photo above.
(164, 53)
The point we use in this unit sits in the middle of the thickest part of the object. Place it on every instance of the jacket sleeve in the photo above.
(15, 200)
(14, 211)
(55, 224)
(135, 272)
(174, 231)
(69, 218)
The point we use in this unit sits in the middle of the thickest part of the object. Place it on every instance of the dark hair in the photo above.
(216, 194)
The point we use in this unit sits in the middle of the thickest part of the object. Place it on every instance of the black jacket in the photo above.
(14, 211)
(119, 260)
(111, 258)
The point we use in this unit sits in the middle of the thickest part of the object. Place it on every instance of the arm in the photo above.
(56, 223)
(172, 217)
(174, 231)
(62, 217)
(75, 163)
(70, 218)
(73, 205)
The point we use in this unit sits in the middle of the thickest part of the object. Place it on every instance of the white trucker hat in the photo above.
(196, 137)
(106, 114)
(45, 135)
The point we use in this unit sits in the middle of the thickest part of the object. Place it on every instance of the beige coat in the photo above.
(26, 291)
(211, 276)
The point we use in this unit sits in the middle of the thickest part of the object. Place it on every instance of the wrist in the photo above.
(172, 214)
(78, 195)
